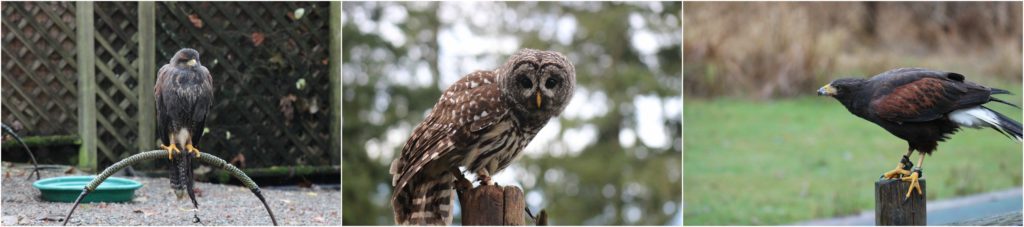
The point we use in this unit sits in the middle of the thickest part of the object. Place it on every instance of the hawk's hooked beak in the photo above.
(538, 99)
(191, 62)
(827, 90)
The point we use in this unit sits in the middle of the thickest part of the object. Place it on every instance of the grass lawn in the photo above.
(778, 162)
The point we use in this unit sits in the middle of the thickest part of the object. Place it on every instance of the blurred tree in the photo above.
(769, 50)
(613, 157)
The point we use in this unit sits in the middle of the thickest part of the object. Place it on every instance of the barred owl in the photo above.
(482, 123)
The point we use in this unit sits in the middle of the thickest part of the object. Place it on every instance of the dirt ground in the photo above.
(155, 204)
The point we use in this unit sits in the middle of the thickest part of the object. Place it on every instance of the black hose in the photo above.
(154, 154)
(35, 164)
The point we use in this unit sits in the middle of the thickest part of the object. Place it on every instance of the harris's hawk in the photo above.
(184, 94)
(922, 107)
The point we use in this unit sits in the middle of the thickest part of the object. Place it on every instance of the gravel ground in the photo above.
(155, 204)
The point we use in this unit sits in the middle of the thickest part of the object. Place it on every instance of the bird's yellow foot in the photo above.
(191, 149)
(902, 169)
(896, 173)
(914, 184)
(170, 150)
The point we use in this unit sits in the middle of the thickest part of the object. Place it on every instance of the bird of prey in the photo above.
(922, 107)
(184, 94)
(482, 123)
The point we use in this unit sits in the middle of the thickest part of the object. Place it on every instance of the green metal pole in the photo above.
(86, 85)
(147, 75)
(335, 75)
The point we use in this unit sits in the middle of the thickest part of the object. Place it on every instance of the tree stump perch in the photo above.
(493, 205)
(890, 207)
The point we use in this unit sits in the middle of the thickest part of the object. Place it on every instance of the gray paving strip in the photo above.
(155, 204)
(947, 211)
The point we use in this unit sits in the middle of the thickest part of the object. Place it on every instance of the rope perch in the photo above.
(204, 158)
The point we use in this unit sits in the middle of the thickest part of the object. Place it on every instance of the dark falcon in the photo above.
(922, 107)
(184, 93)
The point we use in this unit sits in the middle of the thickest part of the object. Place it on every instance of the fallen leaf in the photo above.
(277, 59)
(257, 38)
(70, 170)
(285, 106)
(196, 22)
(314, 106)
(139, 199)
(238, 161)
(319, 219)
(312, 194)
(198, 191)
(298, 13)
(9, 220)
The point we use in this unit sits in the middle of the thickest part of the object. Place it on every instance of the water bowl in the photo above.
(67, 189)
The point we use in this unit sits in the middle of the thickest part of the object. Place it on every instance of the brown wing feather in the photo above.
(928, 98)
(163, 119)
(422, 180)
(922, 100)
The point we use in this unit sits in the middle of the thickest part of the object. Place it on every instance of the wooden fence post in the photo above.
(85, 41)
(147, 72)
(493, 205)
(335, 80)
(890, 208)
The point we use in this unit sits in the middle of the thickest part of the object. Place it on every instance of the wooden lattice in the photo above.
(269, 61)
(270, 69)
(116, 78)
(39, 90)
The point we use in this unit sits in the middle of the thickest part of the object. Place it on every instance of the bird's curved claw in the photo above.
(902, 169)
(914, 184)
(192, 149)
(170, 150)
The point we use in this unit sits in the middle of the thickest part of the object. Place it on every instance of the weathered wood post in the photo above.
(493, 205)
(890, 207)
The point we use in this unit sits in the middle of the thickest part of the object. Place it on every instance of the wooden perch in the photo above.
(892, 209)
(493, 205)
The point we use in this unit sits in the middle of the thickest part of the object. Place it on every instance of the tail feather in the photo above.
(180, 174)
(1003, 102)
(425, 201)
(996, 91)
(1007, 126)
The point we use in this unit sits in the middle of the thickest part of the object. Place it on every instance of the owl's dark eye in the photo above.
(551, 83)
(525, 82)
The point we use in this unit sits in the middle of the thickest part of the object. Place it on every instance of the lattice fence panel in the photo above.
(116, 78)
(39, 67)
(270, 69)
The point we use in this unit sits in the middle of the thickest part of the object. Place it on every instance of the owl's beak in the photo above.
(538, 99)
(191, 62)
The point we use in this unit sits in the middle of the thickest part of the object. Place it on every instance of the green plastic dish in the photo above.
(67, 189)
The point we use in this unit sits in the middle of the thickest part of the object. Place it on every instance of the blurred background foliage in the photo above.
(752, 121)
(613, 157)
(769, 50)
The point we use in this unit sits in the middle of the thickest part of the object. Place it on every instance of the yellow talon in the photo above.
(896, 173)
(170, 150)
(913, 184)
(190, 148)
